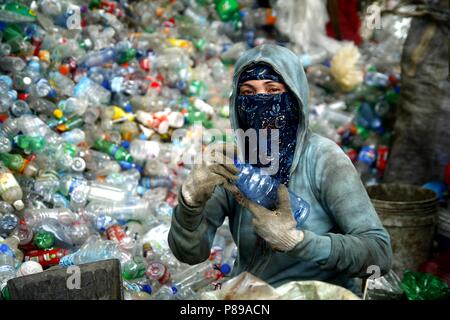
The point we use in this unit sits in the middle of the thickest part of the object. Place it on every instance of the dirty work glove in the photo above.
(216, 170)
(277, 227)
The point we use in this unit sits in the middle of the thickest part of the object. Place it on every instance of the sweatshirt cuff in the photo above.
(313, 248)
(188, 217)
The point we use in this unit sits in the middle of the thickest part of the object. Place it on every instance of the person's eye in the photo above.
(247, 92)
(274, 90)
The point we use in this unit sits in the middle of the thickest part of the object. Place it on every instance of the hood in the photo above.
(288, 65)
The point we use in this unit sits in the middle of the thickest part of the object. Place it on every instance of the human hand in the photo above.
(277, 227)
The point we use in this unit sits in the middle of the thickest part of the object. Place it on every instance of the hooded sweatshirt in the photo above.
(343, 235)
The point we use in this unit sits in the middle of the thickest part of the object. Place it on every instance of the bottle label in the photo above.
(7, 269)
(74, 183)
(367, 155)
(116, 233)
(46, 257)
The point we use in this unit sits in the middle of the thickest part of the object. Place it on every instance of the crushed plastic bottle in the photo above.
(261, 188)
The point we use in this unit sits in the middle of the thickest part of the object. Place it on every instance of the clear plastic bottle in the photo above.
(34, 217)
(5, 207)
(19, 108)
(94, 249)
(41, 88)
(93, 191)
(366, 160)
(13, 242)
(33, 126)
(368, 118)
(10, 190)
(8, 223)
(95, 93)
(98, 58)
(64, 84)
(75, 136)
(127, 180)
(164, 293)
(24, 233)
(73, 106)
(7, 265)
(131, 209)
(197, 277)
(12, 64)
(41, 105)
(261, 188)
(144, 149)
(156, 182)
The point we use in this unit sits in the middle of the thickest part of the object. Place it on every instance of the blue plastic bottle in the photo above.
(260, 187)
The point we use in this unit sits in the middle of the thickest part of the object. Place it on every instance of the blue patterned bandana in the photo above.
(260, 71)
(271, 111)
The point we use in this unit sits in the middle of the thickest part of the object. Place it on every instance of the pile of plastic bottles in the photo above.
(91, 93)
(361, 120)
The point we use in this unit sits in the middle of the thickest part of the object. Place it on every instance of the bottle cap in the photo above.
(147, 288)
(128, 108)
(44, 239)
(225, 268)
(78, 164)
(58, 113)
(18, 205)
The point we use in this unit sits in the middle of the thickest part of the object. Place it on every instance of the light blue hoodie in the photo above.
(343, 234)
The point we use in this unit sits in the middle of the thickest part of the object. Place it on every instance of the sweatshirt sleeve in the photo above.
(364, 241)
(192, 230)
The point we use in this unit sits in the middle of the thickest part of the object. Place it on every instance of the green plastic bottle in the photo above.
(70, 149)
(196, 88)
(95, 4)
(127, 55)
(30, 144)
(134, 269)
(17, 163)
(16, 12)
(392, 97)
(72, 123)
(118, 153)
(227, 9)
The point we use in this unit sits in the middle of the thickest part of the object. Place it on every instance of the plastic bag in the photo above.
(384, 288)
(424, 286)
(248, 287)
(420, 150)
(344, 68)
(304, 22)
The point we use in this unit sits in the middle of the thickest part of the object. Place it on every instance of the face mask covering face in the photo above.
(268, 112)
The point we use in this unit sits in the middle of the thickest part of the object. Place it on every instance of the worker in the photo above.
(342, 238)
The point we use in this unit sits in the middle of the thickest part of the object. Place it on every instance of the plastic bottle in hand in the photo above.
(260, 187)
